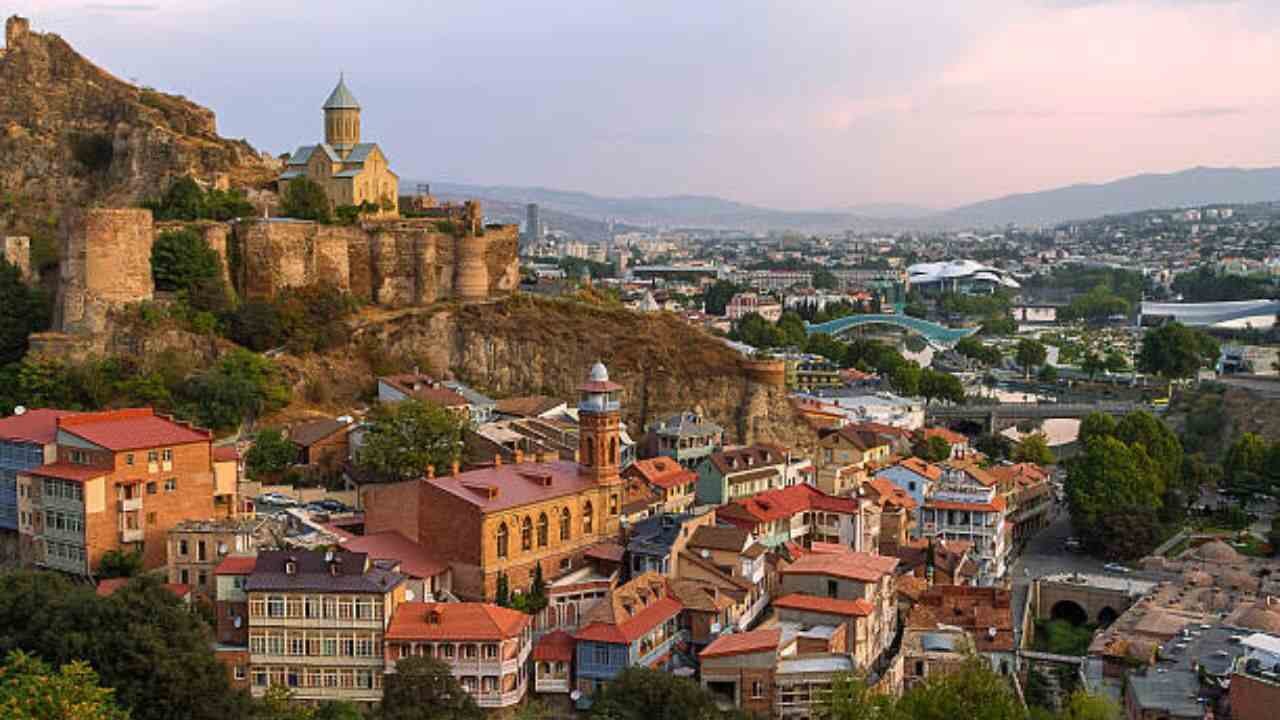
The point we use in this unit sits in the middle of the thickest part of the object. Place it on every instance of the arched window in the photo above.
(586, 518)
(591, 454)
(565, 519)
(502, 540)
(526, 534)
(542, 530)
(613, 451)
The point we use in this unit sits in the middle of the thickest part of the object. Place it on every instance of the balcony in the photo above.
(351, 694)
(131, 504)
(661, 649)
(495, 699)
(316, 623)
(346, 661)
(130, 535)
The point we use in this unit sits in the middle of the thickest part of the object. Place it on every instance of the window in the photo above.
(151, 518)
(151, 488)
(202, 578)
(833, 588)
(171, 484)
(613, 504)
(543, 526)
(526, 534)
(911, 486)
(153, 456)
(240, 671)
(297, 645)
(201, 554)
(502, 540)
(260, 678)
(128, 460)
(757, 689)
(586, 518)
(566, 564)
(166, 455)
(565, 521)
(275, 606)
(491, 651)
(919, 668)
(600, 655)
(184, 577)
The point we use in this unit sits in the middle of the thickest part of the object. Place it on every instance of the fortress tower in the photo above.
(342, 118)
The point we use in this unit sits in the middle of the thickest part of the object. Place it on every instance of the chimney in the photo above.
(497, 459)
(453, 468)
(519, 457)
(431, 472)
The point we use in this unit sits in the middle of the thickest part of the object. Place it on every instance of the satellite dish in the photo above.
(20, 410)
(408, 595)
(575, 695)
(236, 622)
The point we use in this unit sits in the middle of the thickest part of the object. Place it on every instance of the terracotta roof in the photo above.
(883, 429)
(39, 426)
(557, 645)
(236, 565)
(829, 606)
(730, 539)
(415, 560)
(512, 485)
(911, 587)
(633, 629)
(743, 643)
(630, 610)
(607, 551)
(699, 595)
(530, 406)
(1021, 473)
(68, 471)
(973, 470)
(455, 621)
(783, 503)
(922, 468)
(131, 429)
(888, 493)
(312, 432)
(859, 566)
(662, 472)
(977, 610)
(225, 453)
(952, 437)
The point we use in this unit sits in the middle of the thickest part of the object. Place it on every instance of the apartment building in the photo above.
(966, 505)
(196, 547)
(486, 647)
(843, 456)
(867, 580)
(733, 473)
(231, 613)
(775, 672)
(27, 440)
(674, 485)
(317, 621)
(117, 480)
(637, 625)
(685, 437)
(803, 514)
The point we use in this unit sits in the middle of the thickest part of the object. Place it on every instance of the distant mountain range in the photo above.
(1196, 186)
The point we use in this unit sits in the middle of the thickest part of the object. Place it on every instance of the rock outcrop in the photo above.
(73, 135)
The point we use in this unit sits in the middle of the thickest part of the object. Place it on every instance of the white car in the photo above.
(273, 498)
(1116, 568)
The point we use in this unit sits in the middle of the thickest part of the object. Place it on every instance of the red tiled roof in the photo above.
(972, 469)
(860, 566)
(663, 472)
(883, 429)
(38, 426)
(68, 471)
(743, 643)
(225, 453)
(131, 429)
(609, 552)
(630, 630)
(530, 406)
(830, 606)
(414, 559)
(922, 468)
(512, 485)
(455, 621)
(890, 494)
(785, 502)
(952, 437)
(553, 646)
(822, 548)
(236, 565)
(178, 589)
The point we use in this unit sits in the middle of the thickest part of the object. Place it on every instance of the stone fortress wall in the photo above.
(106, 261)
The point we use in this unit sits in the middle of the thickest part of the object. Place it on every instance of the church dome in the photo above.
(341, 98)
(1217, 551)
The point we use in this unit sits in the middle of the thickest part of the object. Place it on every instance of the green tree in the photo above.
(994, 445)
(23, 310)
(502, 594)
(938, 385)
(974, 692)
(423, 688)
(1092, 364)
(337, 710)
(1030, 353)
(824, 279)
(119, 564)
(852, 699)
(1034, 448)
(304, 199)
(405, 438)
(639, 693)
(1244, 467)
(792, 327)
(1086, 706)
(1115, 362)
(1048, 373)
(30, 690)
(272, 453)
(1113, 492)
(1096, 425)
(933, 449)
(181, 259)
(141, 640)
(1161, 445)
(975, 349)
(905, 378)
(826, 346)
(1174, 351)
(240, 385)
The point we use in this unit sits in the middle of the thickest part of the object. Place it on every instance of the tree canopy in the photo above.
(639, 693)
(23, 310)
(932, 448)
(717, 296)
(1030, 353)
(186, 200)
(1034, 448)
(272, 453)
(182, 260)
(1174, 350)
(404, 438)
(304, 199)
(30, 690)
(240, 385)
(424, 688)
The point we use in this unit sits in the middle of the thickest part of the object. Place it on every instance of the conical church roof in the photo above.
(341, 98)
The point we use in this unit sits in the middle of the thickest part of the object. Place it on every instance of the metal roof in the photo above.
(341, 97)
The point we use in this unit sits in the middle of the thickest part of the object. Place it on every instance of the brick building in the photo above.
(196, 547)
(487, 647)
(511, 517)
(231, 612)
(674, 484)
(117, 480)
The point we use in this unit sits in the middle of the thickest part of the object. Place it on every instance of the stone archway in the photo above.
(1106, 616)
(1070, 611)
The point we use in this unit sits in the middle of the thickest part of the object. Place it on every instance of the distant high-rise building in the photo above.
(533, 224)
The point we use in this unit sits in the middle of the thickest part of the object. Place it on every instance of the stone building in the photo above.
(351, 172)
(120, 480)
(509, 518)
(196, 547)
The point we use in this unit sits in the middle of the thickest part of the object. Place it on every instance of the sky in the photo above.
(796, 104)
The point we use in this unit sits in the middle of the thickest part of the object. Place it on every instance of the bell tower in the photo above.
(342, 118)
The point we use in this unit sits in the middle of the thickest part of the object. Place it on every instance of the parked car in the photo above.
(274, 498)
(328, 505)
(1116, 568)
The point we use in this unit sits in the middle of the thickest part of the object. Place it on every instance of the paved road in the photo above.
(1044, 555)
(1267, 387)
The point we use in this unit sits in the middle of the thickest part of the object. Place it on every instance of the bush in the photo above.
(304, 199)
(186, 200)
(239, 386)
(181, 259)
(272, 453)
(311, 318)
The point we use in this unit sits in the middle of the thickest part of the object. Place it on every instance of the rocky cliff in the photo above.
(73, 135)
(528, 345)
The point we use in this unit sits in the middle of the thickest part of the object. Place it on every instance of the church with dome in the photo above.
(351, 172)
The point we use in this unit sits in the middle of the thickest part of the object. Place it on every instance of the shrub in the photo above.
(304, 199)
